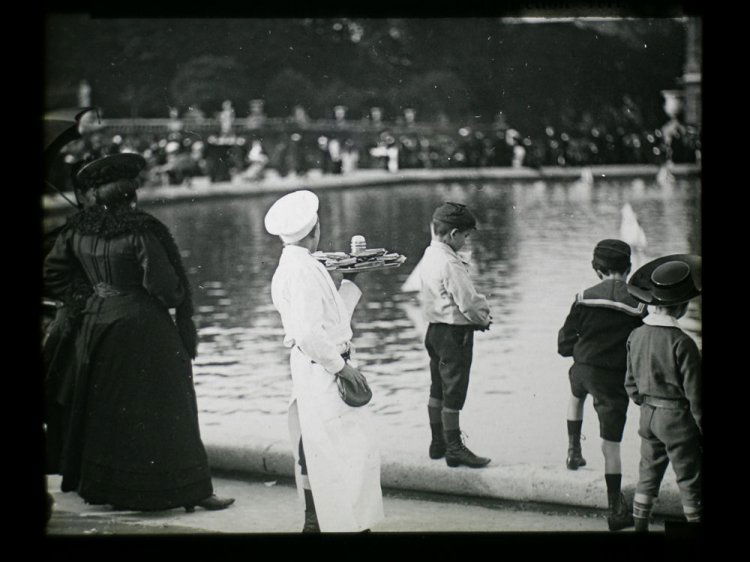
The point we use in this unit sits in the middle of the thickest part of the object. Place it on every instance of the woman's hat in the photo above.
(667, 281)
(124, 165)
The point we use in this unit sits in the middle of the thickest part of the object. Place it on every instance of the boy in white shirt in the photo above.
(454, 310)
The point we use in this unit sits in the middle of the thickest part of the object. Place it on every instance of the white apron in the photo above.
(343, 465)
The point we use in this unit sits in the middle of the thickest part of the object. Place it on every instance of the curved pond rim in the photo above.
(56, 204)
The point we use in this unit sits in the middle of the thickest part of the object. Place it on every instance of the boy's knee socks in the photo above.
(693, 513)
(574, 428)
(614, 483)
(435, 414)
(642, 506)
(450, 419)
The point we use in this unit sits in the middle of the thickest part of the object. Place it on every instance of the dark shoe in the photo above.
(311, 523)
(457, 454)
(437, 446)
(211, 503)
(49, 502)
(641, 524)
(575, 457)
(620, 513)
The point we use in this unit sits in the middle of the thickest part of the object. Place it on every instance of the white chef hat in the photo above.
(293, 216)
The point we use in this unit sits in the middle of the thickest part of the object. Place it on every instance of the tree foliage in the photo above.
(535, 74)
(209, 80)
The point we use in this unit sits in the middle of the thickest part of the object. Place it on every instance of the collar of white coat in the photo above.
(448, 250)
(291, 249)
(653, 319)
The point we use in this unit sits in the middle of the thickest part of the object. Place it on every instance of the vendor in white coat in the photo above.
(337, 467)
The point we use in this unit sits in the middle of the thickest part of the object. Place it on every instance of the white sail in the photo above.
(633, 234)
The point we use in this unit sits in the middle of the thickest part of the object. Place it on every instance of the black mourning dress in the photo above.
(132, 439)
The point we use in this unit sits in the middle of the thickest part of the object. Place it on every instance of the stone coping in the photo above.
(405, 471)
(200, 188)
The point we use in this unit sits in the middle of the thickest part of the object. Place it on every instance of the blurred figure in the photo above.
(349, 157)
(226, 118)
(258, 162)
(513, 138)
(324, 155)
(391, 152)
(334, 153)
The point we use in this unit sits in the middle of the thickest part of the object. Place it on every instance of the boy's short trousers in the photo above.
(610, 398)
(450, 348)
(670, 435)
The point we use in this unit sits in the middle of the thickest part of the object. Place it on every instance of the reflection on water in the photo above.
(530, 256)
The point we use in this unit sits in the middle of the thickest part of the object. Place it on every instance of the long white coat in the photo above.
(343, 465)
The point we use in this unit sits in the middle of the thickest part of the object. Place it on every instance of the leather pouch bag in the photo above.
(350, 395)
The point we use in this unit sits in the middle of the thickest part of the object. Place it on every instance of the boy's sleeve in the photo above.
(630, 385)
(569, 333)
(689, 363)
(471, 304)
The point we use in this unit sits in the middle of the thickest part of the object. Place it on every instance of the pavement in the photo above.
(270, 506)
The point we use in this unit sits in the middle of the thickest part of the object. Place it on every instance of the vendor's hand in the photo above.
(486, 326)
(354, 376)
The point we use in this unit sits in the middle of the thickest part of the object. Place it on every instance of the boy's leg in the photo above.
(434, 411)
(578, 393)
(454, 366)
(611, 405)
(435, 403)
(651, 468)
(682, 439)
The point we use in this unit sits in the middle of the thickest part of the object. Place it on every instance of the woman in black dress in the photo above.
(132, 439)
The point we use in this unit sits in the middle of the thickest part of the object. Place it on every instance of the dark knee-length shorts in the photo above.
(450, 349)
(610, 397)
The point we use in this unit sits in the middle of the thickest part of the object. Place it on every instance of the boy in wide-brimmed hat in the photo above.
(594, 334)
(454, 310)
(664, 379)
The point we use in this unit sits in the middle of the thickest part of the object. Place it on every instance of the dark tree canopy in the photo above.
(459, 67)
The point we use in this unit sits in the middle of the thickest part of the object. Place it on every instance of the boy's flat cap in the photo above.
(456, 215)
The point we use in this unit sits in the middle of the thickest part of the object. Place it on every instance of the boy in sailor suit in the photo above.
(594, 334)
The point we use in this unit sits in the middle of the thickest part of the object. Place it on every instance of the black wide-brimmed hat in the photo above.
(124, 165)
(668, 280)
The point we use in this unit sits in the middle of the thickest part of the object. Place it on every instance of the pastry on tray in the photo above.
(360, 259)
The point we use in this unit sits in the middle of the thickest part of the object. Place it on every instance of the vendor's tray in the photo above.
(366, 260)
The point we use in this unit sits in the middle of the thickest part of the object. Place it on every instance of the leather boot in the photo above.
(641, 524)
(311, 523)
(456, 453)
(437, 446)
(575, 458)
(311, 518)
(620, 513)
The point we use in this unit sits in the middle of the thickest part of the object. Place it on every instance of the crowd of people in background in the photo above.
(175, 156)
